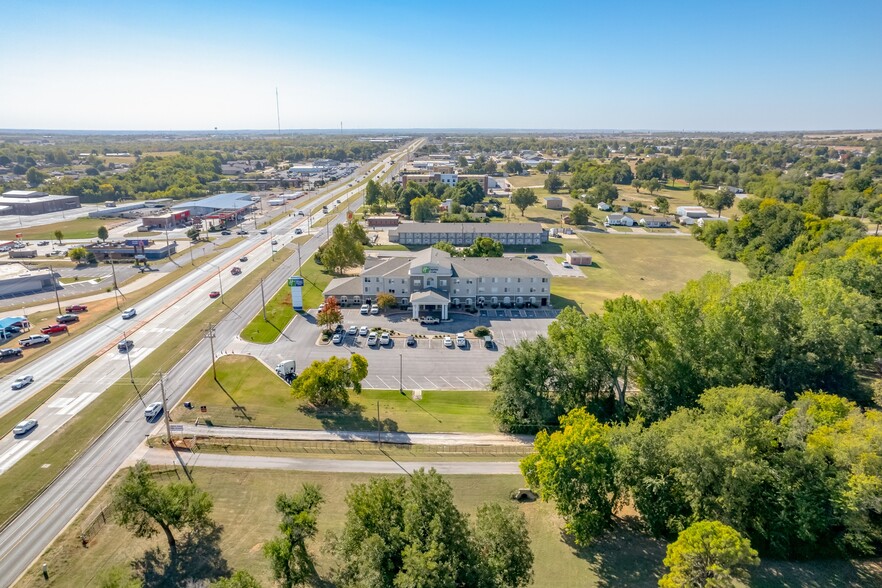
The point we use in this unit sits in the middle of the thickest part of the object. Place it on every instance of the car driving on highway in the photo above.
(130, 313)
(152, 410)
(22, 381)
(213, 294)
(24, 427)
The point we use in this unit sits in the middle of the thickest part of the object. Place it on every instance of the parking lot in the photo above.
(429, 365)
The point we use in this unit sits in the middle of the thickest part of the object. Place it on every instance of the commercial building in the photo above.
(433, 281)
(30, 202)
(220, 206)
(382, 221)
(132, 249)
(16, 280)
(165, 221)
(462, 234)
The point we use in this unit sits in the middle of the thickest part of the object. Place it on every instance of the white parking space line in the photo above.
(446, 381)
(385, 385)
(80, 403)
(8, 459)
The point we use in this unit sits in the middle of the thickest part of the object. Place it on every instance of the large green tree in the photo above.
(708, 554)
(554, 183)
(403, 532)
(484, 247)
(141, 504)
(424, 209)
(523, 198)
(579, 214)
(342, 250)
(327, 382)
(575, 467)
(289, 557)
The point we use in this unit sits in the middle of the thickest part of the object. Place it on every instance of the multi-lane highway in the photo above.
(32, 531)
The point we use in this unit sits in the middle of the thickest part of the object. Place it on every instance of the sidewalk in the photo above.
(481, 439)
(379, 466)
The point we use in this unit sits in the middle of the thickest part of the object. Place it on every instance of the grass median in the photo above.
(249, 394)
(279, 311)
(36, 470)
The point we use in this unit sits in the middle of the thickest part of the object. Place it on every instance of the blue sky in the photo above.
(193, 64)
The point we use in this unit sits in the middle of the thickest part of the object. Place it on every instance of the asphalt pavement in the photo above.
(343, 466)
(25, 537)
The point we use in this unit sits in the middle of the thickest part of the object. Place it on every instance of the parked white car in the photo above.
(460, 340)
(375, 309)
(363, 331)
(372, 339)
(365, 308)
(448, 342)
(385, 339)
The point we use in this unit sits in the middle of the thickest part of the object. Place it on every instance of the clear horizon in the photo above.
(695, 67)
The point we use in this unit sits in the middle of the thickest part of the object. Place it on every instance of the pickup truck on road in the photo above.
(33, 340)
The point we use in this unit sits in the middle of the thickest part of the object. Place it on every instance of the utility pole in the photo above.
(299, 265)
(129, 359)
(165, 409)
(209, 334)
(221, 285)
(262, 300)
(192, 261)
(115, 294)
(55, 287)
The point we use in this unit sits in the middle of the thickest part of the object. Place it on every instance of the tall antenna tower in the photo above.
(278, 116)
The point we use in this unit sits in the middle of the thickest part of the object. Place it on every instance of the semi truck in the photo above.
(287, 369)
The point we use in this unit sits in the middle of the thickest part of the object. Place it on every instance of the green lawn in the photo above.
(643, 266)
(279, 311)
(264, 400)
(75, 228)
(244, 505)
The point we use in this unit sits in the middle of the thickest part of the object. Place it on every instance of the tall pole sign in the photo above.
(296, 285)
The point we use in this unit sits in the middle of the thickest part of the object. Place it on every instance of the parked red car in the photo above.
(214, 294)
(76, 308)
(54, 329)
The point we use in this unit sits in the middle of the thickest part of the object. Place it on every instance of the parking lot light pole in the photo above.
(400, 373)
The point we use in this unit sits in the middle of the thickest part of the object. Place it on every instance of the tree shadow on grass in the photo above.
(199, 559)
(823, 573)
(348, 418)
(624, 556)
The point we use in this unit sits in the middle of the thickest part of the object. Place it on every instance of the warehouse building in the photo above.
(432, 281)
(17, 280)
(30, 202)
(463, 234)
(218, 206)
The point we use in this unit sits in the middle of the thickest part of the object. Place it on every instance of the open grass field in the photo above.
(644, 266)
(279, 311)
(250, 394)
(75, 228)
(244, 507)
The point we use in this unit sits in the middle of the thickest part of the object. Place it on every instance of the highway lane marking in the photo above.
(59, 402)
(80, 403)
(8, 459)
